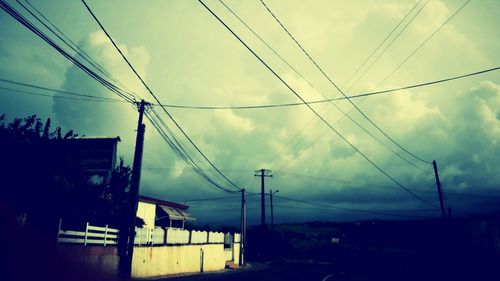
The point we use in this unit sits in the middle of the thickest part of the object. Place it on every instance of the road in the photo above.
(269, 271)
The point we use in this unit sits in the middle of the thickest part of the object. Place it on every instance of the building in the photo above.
(160, 213)
(95, 156)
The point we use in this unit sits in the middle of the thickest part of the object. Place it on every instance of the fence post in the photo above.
(165, 236)
(59, 229)
(86, 232)
(105, 234)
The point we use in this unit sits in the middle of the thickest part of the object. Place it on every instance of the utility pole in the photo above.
(271, 205)
(439, 189)
(134, 193)
(263, 173)
(243, 234)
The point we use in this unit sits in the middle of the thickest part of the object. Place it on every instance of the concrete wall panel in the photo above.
(167, 260)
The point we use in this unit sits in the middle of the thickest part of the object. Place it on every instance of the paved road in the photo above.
(274, 271)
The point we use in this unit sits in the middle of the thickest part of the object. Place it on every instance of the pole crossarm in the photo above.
(263, 173)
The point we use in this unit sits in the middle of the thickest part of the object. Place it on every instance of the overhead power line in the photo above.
(211, 198)
(71, 44)
(156, 98)
(29, 25)
(390, 44)
(310, 84)
(289, 147)
(340, 90)
(374, 212)
(175, 145)
(216, 198)
(59, 91)
(425, 41)
(376, 93)
(382, 43)
(312, 109)
(96, 99)
(264, 106)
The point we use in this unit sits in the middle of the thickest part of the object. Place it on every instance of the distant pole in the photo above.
(134, 189)
(262, 173)
(243, 228)
(271, 205)
(439, 189)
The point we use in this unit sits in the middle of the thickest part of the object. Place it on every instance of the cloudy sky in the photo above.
(188, 58)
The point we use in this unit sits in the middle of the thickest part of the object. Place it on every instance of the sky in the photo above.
(188, 58)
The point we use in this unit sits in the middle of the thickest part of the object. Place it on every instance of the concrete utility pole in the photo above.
(243, 231)
(262, 173)
(439, 189)
(271, 205)
(134, 191)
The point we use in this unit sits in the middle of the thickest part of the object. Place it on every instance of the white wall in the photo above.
(147, 212)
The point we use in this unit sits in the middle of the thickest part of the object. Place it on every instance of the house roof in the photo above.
(96, 138)
(162, 202)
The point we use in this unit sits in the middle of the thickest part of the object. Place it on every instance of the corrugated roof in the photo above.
(162, 202)
(172, 213)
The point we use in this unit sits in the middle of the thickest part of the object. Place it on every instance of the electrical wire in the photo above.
(340, 90)
(425, 41)
(313, 110)
(96, 99)
(11, 11)
(156, 98)
(60, 91)
(424, 84)
(181, 151)
(382, 43)
(348, 209)
(388, 45)
(311, 85)
(25, 22)
(72, 45)
(210, 199)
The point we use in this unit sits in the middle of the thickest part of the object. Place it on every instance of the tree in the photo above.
(40, 180)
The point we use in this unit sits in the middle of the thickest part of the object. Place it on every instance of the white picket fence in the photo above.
(237, 238)
(95, 235)
(199, 237)
(176, 236)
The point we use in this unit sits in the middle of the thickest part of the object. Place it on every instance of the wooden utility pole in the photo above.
(134, 193)
(262, 173)
(439, 189)
(271, 205)
(243, 228)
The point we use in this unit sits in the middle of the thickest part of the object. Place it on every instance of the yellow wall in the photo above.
(147, 212)
(214, 257)
(236, 253)
(165, 260)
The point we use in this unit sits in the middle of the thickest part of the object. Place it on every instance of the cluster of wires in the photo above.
(72, 95)
(172, 132)
(128, 96)
(327, 123)
(303, 204)
(101, 75)
(170, 117)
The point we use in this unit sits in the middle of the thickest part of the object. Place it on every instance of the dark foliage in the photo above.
(45, 184)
